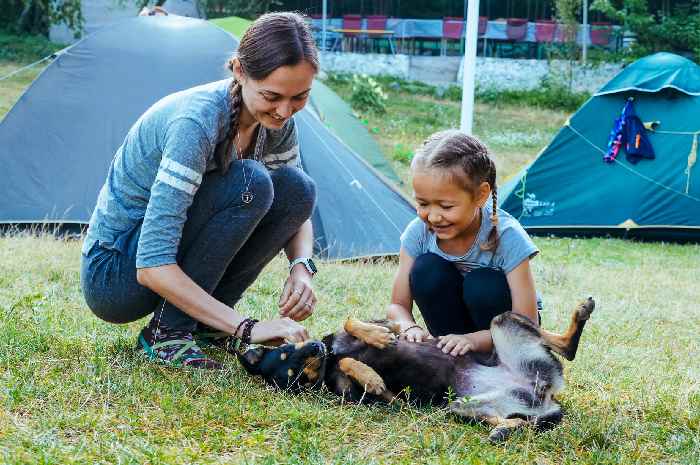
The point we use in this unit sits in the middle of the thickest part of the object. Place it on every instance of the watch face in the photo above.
(312, 266)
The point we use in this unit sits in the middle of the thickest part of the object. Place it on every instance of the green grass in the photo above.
(72, 389)
(233, 24)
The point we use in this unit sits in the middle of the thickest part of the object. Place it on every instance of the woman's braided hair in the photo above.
(468, 160)
(272, 41)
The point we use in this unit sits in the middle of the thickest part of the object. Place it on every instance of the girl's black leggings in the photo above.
(454, 304)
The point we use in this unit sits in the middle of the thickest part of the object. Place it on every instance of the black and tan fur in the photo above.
(514, 386)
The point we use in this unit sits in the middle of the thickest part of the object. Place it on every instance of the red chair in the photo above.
(378, 23)
(600, 33)
(544, 30)
(516, 28)
(452, 29)
(351, 22)
(545, 35)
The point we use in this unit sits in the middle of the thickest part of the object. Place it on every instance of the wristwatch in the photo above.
(308, 264)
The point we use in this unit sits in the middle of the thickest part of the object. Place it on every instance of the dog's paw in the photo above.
(374, 384)
(584, 309)
(380, 338)
(499, 434)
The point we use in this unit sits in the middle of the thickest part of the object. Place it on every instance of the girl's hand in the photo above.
(298, 300)
(415, 334)
(278, 331)
(455, 344)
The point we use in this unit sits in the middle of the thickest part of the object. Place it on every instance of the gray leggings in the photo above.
(225, 244)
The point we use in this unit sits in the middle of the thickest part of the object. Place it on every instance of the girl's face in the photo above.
(444, 205)
(273, 100)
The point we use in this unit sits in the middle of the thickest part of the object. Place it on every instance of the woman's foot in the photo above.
(174, 347)
(210, 337)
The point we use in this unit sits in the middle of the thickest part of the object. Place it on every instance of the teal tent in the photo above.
(570, 190)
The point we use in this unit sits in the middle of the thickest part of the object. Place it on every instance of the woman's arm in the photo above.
(177, 288)
(297, 290)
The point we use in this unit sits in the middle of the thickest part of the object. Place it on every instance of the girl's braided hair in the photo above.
(272, 41)
(468, 161)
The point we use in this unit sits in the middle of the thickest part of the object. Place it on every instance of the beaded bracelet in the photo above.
(245, 337)
(411, 327)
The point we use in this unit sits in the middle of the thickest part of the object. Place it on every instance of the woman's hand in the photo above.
(455, 344)
(278, 331)
(298, 299)
(415, 333)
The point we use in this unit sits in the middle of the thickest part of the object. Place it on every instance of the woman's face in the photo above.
(273, 100)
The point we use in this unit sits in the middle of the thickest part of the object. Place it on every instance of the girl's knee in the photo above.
(431, 275)
(486, 291)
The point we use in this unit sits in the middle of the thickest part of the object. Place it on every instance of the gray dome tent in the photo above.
(58, 140)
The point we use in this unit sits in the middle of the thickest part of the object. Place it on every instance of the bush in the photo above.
(555, 96)
(25, 48)
(402, 154)
(367, 94)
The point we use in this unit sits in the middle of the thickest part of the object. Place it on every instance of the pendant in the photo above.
(247, 197)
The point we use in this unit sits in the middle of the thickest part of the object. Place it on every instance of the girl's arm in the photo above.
(522, 291)
(401, 306)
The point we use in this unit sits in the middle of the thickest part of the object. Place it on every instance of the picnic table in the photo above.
(368, 33)
(407, 29)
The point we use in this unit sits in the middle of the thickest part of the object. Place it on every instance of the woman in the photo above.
(205, 190)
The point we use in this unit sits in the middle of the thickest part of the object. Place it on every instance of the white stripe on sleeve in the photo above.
(178, 184)
(182, 170)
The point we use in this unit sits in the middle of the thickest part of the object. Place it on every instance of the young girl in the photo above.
(463, 261)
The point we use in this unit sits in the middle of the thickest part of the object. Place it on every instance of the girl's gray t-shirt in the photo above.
(514, 245)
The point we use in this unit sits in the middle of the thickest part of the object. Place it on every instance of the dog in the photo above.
(512, 387)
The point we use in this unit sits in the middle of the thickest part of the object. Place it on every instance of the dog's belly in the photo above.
(497, 391)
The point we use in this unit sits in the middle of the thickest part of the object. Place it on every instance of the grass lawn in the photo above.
(72, 390)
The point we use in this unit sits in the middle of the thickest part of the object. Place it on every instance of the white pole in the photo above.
(469, 68)
(586, 34)
(323, 26)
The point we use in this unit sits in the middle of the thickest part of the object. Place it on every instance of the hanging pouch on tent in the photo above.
(637, 144)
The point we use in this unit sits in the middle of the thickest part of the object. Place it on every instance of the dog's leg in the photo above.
(391, 325)
(480, 408)
(369, 333)
(366, 377)
(566, 344)
(503, 427)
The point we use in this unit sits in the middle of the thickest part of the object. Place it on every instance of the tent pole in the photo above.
(469, 67)
(323, 28)
(586, 34)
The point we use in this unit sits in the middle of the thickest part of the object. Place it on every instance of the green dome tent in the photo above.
(570, 190)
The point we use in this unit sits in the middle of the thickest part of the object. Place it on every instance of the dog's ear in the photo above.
(251, 358)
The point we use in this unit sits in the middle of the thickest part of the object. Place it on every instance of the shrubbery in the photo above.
(551, 94)
(367, 94)
(25, 48)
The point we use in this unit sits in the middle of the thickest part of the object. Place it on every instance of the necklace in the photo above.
(247, 196)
